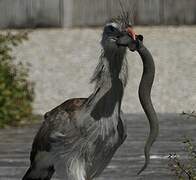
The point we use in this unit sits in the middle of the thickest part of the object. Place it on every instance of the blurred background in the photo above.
(72, 13)
(73, 46)
(61, 53)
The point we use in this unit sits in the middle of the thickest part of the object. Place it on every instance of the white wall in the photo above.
(63, 60)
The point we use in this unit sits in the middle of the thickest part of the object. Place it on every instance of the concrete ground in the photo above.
(15, 145)
(63, 60)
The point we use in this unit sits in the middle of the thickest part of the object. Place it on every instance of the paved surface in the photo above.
(63, 60)
(15, 144)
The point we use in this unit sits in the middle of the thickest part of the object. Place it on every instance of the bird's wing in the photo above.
(58, 126)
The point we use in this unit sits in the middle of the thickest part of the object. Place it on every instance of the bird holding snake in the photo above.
(78, 138)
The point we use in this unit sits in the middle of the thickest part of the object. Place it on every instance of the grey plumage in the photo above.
(79, 143)
(79, 137)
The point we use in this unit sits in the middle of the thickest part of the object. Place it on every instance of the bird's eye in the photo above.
(112, 28)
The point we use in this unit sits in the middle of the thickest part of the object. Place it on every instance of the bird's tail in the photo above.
(32, 175)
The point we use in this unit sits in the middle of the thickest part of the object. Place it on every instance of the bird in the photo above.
(78, 138)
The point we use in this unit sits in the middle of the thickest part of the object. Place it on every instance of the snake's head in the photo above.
(131, 39)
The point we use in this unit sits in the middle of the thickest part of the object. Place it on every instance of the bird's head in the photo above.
(119, 36)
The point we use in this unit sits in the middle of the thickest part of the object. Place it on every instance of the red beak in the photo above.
(131, 33)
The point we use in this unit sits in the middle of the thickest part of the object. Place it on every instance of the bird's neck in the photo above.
(110, 77)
